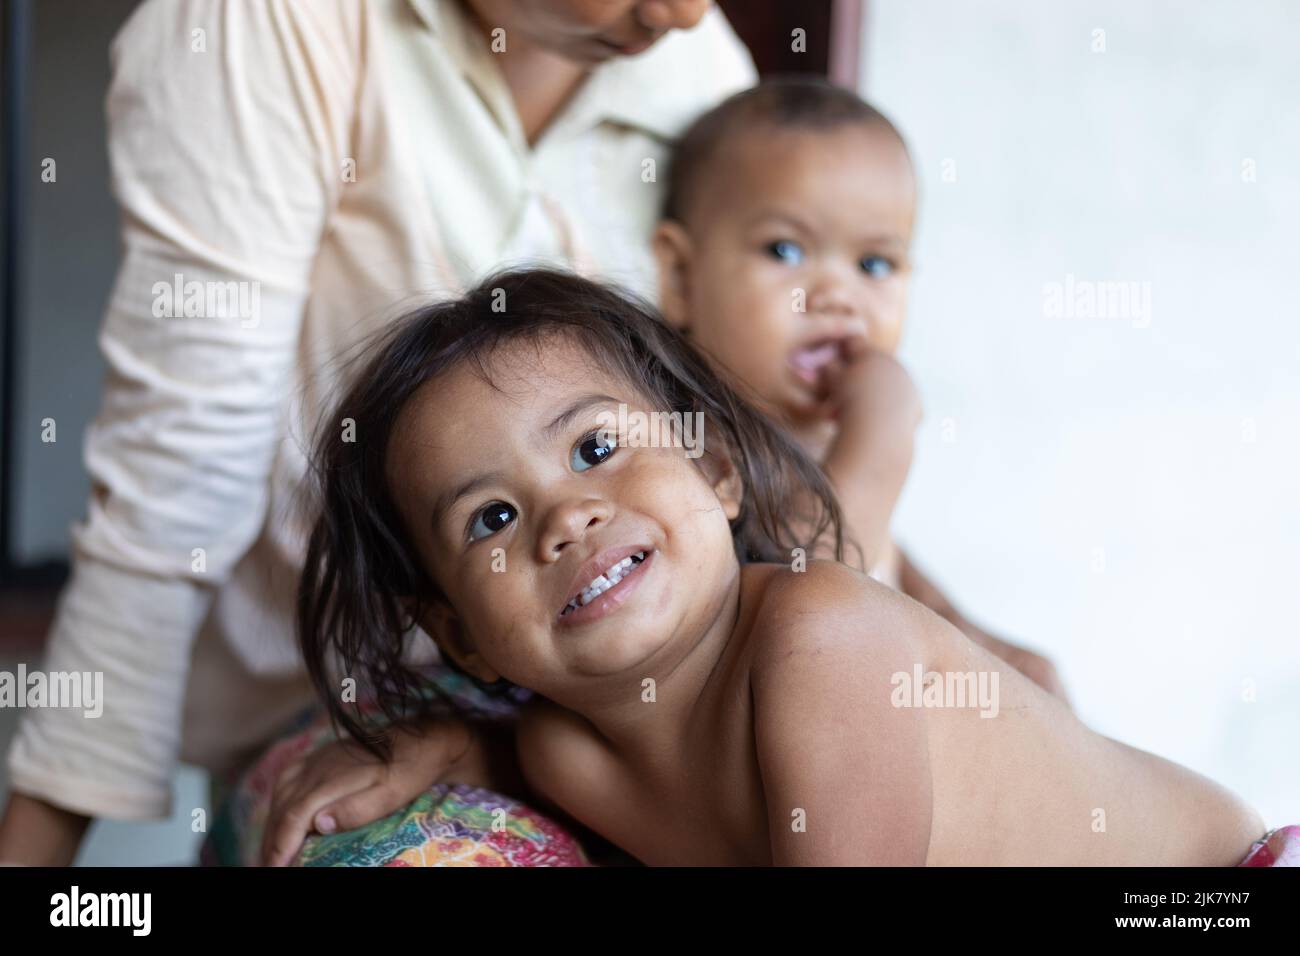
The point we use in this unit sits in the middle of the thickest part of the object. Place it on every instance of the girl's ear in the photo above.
(440, 622)
(672, 251)
(727, 484)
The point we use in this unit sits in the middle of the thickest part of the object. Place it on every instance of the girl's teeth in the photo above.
(605, 581)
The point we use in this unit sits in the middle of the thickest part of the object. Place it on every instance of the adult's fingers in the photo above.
(286, 778)
(359, 809)
(292, 816)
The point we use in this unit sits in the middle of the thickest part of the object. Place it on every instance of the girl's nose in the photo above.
(570, 522)
(659, 15)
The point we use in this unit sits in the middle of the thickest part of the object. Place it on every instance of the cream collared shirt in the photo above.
(334, 159)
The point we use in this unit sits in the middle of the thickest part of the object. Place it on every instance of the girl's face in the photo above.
(517, 508)
(588, 31)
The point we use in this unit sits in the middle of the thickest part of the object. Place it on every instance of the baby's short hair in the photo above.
(794, 102)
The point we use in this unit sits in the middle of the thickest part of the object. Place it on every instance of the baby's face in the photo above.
(785, 221)
(517, 508)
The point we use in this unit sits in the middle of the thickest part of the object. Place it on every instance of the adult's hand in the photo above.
(36, 833)
(342, 786)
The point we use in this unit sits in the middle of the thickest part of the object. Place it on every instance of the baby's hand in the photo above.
(342, 786)
(874, 393)
(878, 408)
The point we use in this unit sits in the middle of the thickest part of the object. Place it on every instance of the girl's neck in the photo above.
(646, 724)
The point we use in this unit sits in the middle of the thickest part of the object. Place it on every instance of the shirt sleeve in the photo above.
(229, 126)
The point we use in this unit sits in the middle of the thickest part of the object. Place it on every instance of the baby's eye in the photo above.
(491, 519)
(878, 267)
(791, 253)
(592, 450)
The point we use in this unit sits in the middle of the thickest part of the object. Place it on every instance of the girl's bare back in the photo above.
(846, 724)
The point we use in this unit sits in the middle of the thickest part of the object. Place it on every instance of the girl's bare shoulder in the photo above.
(828, 607)
(825, 590)
(824, 644)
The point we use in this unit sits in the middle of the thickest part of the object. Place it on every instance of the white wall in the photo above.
(1123, 493)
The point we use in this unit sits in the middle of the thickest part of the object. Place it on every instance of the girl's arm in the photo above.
(845, 774)
(557, 757)
(568, 771)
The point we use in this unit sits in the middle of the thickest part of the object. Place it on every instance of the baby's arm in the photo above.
(867, 464)
(878, 409)
(846, 775)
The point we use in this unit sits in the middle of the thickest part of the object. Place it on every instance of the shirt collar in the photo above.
(654, 92)
(429, 12)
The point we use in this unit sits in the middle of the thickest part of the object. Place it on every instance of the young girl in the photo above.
(701, 696)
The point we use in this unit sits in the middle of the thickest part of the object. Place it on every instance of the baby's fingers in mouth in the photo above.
(829, 375)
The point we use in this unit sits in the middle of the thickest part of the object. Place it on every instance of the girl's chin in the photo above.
(611, 661)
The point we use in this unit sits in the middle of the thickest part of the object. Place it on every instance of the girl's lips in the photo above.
(609, 601)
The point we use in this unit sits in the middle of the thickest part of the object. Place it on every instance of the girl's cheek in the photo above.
(666, 477)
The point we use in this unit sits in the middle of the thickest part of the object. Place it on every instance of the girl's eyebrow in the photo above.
(575, 409)
(448, 500)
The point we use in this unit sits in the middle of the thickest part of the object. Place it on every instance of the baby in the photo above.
(783, 255)
(697, 700)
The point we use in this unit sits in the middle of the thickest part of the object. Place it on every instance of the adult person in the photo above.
(286, 169)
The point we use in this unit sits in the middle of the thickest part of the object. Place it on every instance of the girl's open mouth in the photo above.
(608, 590)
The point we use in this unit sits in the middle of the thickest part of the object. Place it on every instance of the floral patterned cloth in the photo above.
(1280, 847)
(448, 825)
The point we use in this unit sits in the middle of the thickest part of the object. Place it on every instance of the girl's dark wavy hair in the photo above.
(363, 578)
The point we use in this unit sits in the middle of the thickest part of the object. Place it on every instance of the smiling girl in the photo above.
(698, 699)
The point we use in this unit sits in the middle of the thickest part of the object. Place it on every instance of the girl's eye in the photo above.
(592, 450)
(791, 253)
(491, 519)
(878, 267)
